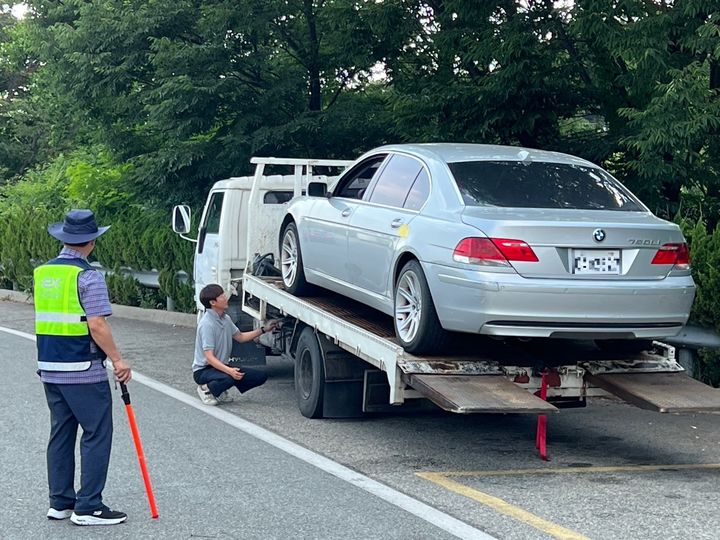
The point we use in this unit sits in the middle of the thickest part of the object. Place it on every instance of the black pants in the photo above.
(90, 407)
(217, 381)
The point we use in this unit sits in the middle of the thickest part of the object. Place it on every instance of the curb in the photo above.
(172, 318)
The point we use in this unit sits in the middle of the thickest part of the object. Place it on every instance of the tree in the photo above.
(188, 90)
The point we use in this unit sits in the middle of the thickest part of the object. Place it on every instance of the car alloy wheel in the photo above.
(289, 257)
(408, 306)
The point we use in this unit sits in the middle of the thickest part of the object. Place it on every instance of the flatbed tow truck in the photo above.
(346, 359)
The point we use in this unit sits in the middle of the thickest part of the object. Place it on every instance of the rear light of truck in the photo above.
(493, 251)
(675, 254)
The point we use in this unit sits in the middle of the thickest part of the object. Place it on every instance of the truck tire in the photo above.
(291, 262)
(309, 375)
(416, 322)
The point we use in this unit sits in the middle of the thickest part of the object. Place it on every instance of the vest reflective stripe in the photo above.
(64, 366)
(60, 324)
(58, 317)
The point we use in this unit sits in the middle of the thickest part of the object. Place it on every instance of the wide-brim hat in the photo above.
(79, 227)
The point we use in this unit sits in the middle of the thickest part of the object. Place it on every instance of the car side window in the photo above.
(395, 181)
(212, 220)
(354, 184)
(419, 192)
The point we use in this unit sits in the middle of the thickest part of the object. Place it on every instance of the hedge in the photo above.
(140, 236)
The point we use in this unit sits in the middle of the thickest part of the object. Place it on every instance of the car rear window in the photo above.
(540, 185)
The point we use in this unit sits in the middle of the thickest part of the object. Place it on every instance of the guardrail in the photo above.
(146, 278)
(687, 343)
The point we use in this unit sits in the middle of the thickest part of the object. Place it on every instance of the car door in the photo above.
(207, 254)
(381, 221)
(324, 230)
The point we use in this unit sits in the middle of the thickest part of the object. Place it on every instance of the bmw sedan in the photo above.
(493, 240)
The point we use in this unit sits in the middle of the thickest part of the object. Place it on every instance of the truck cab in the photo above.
(225, 244)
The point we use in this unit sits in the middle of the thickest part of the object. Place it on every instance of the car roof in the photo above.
(456, 152)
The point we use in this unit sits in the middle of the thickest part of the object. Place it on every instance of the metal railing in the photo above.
(146, 278)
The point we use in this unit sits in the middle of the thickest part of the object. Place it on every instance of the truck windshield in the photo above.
(540, 185)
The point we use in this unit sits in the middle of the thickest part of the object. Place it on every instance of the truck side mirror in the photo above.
(317, 189)
(181, 219)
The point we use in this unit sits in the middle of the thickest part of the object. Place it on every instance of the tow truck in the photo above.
(346, 359)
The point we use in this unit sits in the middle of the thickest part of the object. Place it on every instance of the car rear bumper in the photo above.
(506, 304)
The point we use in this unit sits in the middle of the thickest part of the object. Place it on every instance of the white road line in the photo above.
(427, 513)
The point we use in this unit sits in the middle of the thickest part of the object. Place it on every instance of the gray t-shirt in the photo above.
(213, 333)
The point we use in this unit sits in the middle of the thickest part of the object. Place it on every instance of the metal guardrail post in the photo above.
(688, 341)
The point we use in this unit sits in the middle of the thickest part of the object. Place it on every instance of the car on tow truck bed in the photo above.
(494, 240)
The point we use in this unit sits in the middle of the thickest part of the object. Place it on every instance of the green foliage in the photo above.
(705, 252)
(139, 236)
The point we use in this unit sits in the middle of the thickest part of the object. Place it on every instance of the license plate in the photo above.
(596, 261)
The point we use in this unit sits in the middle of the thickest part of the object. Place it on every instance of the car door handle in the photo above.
(213, 269)
(345, 213)
(396, 223)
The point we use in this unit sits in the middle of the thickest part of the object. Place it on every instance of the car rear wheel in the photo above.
(416, 322)
(291, 263)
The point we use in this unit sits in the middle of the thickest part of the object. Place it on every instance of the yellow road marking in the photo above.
(444, 479)
(504, 507)
(585, 470)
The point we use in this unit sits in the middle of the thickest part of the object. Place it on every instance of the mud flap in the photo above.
(466, 394)
(661, 392)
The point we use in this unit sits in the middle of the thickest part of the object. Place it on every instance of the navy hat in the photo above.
(79, 227)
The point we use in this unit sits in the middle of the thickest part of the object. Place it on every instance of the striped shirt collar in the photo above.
(70, 253)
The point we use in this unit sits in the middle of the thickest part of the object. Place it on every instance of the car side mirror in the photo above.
(181, 219)
(317, 189)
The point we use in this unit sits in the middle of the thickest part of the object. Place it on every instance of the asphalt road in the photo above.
(615, 471)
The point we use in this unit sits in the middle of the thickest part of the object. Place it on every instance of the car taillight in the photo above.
(677, 254)
(493, 251)
(515, 250)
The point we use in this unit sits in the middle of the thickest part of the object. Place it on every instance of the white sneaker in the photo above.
(59, 514)
(224, 398)
(206, 396)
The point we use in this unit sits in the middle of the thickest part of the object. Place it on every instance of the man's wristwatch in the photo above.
(262, 329)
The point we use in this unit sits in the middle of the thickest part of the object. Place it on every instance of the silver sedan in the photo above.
(493, 240)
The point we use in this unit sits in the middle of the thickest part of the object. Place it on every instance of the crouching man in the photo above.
(213, 344)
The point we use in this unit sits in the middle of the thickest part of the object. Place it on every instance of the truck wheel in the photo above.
(309, 375)
(291, 263)
(416, 322)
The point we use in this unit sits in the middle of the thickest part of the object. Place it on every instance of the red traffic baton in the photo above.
(138, 448)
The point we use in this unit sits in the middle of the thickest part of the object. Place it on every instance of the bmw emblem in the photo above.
(599, 235)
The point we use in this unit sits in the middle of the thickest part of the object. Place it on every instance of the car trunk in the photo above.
(581, 244)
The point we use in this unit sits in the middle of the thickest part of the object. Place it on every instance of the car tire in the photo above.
(624, 346)
(309, 375)
(291, 262)
(417, 326)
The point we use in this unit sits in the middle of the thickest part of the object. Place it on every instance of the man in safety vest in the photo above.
(73, 342)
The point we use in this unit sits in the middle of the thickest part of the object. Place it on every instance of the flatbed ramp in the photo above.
(467, 394)
(661, 392)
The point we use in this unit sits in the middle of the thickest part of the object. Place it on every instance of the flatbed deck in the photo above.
(484, 374)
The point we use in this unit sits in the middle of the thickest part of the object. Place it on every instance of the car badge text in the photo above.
(643, 242)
